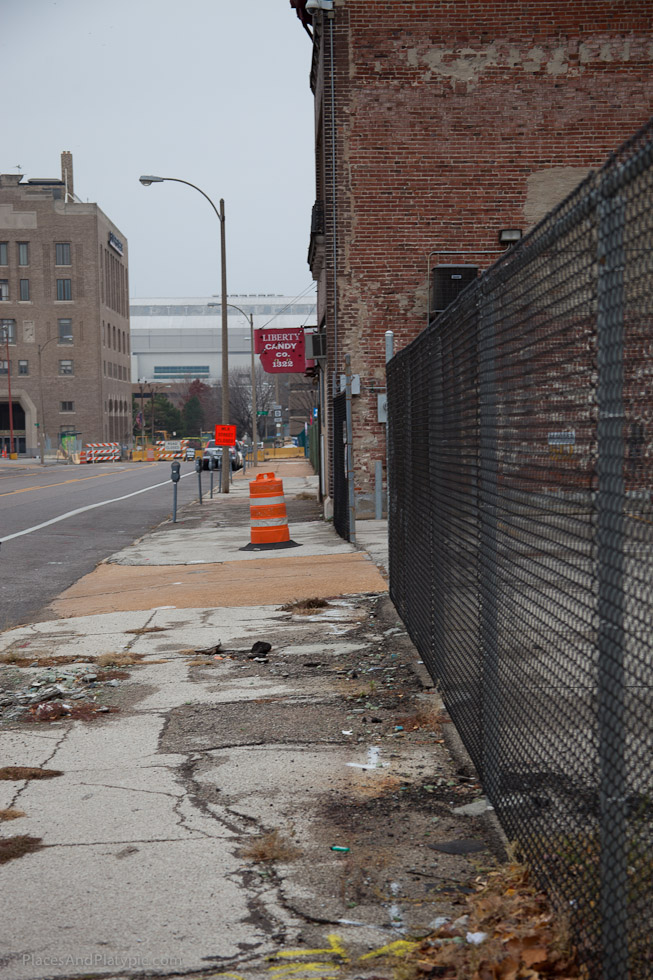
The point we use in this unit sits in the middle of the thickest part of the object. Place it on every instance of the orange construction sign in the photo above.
(225, 435)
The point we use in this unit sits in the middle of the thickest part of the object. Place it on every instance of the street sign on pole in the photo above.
(225, 435)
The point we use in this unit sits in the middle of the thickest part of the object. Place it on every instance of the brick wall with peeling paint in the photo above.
(453, 120)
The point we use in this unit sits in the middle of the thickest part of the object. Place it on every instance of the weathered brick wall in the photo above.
(454, 120)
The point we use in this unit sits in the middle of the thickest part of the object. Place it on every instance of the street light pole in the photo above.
(250, 317)
(152, 394)
(42, 437)
(254, 412)
(146, 181)
(141, 382)
(226, 467)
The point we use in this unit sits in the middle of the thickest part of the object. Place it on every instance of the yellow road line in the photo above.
(81, 479)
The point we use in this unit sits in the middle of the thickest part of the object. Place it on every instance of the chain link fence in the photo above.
(521, 546)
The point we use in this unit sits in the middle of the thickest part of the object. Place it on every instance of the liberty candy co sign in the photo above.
(281, 350)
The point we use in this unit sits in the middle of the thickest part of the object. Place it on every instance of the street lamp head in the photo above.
(148, 179)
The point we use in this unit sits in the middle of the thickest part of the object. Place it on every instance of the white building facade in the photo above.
(179, 339)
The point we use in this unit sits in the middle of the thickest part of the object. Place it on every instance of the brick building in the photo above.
(438, 127)
(65, 313)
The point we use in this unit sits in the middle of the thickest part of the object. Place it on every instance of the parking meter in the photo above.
(211, 469)
(175, 477)
(198, 470)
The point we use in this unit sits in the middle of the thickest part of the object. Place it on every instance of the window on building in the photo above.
(65, 330)
(4, 290)
(24, 290)
(8, 327)
(66, 367)
(23, 367)
(183, 371)
(23, 253)
(62, 253)
(67, 407)
(4, 252)
(64, 289)
(4, 367)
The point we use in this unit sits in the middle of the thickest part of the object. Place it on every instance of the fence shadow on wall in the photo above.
(521, 545)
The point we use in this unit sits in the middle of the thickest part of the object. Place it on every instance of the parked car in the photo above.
(211, 450)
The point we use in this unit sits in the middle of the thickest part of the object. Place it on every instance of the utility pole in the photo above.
(11, 409)
(254, 412)
(225, 348)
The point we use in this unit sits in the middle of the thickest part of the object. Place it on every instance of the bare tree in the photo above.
(240, 399)
(302, 399)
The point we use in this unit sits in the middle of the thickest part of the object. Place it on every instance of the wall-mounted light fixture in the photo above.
(508, 236)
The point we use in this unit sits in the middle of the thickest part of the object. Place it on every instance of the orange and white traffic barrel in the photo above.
(267, 508)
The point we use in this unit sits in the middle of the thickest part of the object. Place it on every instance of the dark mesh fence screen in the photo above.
(521, 546)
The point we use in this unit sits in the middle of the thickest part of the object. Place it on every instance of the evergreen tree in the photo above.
(192, 417)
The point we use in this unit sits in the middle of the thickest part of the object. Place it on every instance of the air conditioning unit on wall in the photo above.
(316, 346)
(447, 281)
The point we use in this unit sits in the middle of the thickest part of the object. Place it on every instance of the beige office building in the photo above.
(64, 318)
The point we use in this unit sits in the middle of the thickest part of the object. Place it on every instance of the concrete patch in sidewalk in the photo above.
(112, 588)
(209, 544)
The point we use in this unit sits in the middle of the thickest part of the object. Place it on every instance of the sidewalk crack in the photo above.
(59, 742)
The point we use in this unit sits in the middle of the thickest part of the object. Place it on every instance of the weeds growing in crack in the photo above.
(10, 813)
(28, 772)
(119, 659)
(148, 629)
(270, 847)
(15, 847)
(20, 660)
(305, 607)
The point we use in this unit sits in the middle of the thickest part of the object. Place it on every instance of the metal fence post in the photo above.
(488, 580)
(610, 570)
(350, 454)
(378, 489)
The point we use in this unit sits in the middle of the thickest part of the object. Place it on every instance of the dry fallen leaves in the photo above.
(522, 939)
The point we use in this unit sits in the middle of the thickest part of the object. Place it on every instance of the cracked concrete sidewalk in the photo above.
(338, 740)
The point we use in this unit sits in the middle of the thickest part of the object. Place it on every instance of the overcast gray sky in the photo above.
(214, 92)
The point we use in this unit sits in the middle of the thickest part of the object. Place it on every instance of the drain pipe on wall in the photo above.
(349, 450)
(389, 354)
(334, 206)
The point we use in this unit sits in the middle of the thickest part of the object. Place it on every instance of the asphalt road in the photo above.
(36, 566)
